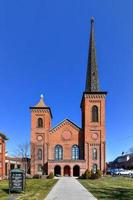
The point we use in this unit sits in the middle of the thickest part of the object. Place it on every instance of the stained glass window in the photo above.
(58, 152)
(75, 152)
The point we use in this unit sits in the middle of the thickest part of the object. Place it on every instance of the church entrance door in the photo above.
(66, 170)
(57, 170)
(76, 170)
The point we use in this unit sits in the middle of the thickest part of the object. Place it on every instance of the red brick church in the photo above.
(68, 149)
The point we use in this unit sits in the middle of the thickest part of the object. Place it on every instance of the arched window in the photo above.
(75, 152)
(40, 123)
(94, 168)
(58, 152)
(39, 154)
(94, 114)
(94, 154)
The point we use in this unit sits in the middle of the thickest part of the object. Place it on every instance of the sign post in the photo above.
(16, 180)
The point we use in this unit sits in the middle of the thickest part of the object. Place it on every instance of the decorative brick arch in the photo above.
(67, 170)
(57, 170)
(76, 170)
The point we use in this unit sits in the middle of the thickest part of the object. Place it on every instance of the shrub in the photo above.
(81, 177)
(99, 173)
(91, 175)
(28, 176)
(87, 174)
(37, 176)
(51, 175)
(94, 176)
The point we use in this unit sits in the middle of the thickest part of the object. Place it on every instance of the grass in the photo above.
(36, 189)
(3, 190)
(110, 188)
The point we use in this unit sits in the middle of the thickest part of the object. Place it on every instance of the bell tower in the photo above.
(40, 125)
(93, 113)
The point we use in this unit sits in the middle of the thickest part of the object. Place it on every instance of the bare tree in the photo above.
(23, 150)
(22, 153)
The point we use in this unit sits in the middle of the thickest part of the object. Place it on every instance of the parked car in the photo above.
(116, 171)
(125, 173)
(121, 172)
(111, 171)
(108, 171)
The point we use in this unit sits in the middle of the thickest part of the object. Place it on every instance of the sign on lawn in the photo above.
(16, 180)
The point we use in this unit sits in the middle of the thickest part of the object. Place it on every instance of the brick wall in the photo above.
(2, 158)
(94, 132)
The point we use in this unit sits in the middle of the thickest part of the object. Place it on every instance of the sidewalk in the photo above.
(68, 188)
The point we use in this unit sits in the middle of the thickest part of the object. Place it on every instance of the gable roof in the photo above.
(63, 123)
(123, 157)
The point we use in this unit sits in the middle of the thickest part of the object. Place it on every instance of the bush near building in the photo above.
(51, 175)
(91, 175)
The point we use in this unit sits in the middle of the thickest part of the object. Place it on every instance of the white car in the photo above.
(115, 171)
(125, 172)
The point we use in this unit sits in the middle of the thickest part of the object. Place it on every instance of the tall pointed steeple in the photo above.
(92, 81)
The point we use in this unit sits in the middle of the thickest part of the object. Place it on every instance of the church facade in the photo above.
(67, 149)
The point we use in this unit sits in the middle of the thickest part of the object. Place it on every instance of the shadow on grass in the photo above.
(6, 190)
(112, 193)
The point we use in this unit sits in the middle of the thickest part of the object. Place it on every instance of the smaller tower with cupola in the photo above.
(40, 125)
(93, 113)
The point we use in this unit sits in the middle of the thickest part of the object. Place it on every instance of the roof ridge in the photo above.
(66, 119)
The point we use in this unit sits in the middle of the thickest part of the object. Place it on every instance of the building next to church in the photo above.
(8, 163)
(3, 139)
(67, 149)
(124, 161)
(16, 163)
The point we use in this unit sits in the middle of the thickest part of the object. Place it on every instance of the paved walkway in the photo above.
(68, 188)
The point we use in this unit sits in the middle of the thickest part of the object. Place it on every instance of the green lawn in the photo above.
(110, 188)
(36, 189)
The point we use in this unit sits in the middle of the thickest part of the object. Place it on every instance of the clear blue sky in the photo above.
(43, 49)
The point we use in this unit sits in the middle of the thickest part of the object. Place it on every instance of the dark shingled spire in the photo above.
(92, 82)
